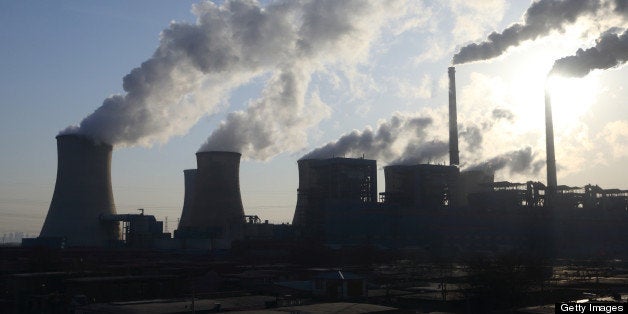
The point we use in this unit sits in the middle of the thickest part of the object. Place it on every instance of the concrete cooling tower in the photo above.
(216, 209)
(321, 181)
(189, 181)
(82, 193)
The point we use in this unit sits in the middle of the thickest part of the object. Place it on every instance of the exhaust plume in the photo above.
(197, 64)
(610, 50)
(517, 161)
(401, 140)
(330, 32)
(540, 19)
(273, 123)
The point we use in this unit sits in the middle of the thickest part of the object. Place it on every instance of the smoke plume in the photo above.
(610, 50)
(273, 123)
(401, 140)
(196, 65)
(330, 32)
(517, 161)
(540, 19)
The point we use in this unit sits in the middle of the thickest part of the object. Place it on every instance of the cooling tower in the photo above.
(348, 180)
(189, 181)
(303, 193)
(549, 146)
(454, 158)
(82, 193)
(216, 210)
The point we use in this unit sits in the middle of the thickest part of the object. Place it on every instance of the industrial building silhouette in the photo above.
(429, 207)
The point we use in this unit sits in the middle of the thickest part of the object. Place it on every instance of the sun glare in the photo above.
(571, 97)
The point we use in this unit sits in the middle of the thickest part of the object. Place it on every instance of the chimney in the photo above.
(549, 146)
(216, 209)
(454, 158)
(82, 194)
(189, 179)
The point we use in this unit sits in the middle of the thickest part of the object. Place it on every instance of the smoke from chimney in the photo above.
(197, 65)
(82, 194)
(610, 50)
(540, 19)
(517, 161)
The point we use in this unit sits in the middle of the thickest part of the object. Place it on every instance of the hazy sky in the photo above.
(316, 74)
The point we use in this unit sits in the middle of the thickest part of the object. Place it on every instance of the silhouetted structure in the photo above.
(549, 145)
(189, 181)
(82, 193)
(216, 210)
(335, 179)
(454, 158)
(422, 186)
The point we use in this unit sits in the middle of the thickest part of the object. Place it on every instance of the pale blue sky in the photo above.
(59, 61)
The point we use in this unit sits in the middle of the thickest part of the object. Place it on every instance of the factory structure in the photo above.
(436, 209)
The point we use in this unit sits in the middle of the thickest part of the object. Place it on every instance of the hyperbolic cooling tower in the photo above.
(189, 181)
(82, 193)
(217, 206)
(341, 179)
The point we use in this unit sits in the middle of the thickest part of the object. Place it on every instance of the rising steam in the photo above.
(540, 19)
(330, 32)
(197, 65)
(610, 50)
(401, 140)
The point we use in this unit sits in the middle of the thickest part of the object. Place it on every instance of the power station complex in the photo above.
(436, 209)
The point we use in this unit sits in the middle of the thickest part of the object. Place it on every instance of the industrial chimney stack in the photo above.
(82, 194)
(216, 208)
(549, 146)
(454, 158)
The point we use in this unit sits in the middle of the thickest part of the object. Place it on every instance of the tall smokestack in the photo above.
(454, 158)
(189, 181)
(216, 209)
(549, 145)
(82, 193)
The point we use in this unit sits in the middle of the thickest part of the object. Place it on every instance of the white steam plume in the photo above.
(610, 50)
(401, 140)
(197, 65)
(329, 32)
(540, 19)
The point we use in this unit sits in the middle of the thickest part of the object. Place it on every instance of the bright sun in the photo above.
(571, 97)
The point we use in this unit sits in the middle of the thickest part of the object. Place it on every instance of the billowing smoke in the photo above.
(277, 121)
(330, 31)
(517, 161)
(540, 19)
(610, 50)
(401, 140)
(501, 113)
(197, 65)
(472, 133)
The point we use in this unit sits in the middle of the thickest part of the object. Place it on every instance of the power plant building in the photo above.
(421, 186)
